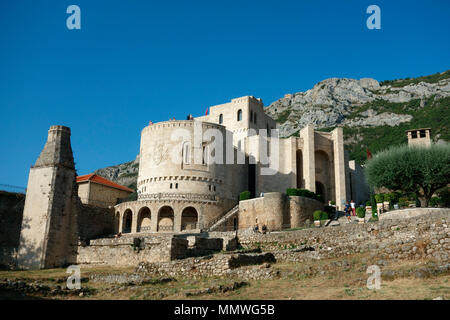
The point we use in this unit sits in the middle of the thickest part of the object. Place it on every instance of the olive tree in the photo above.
(421, 170)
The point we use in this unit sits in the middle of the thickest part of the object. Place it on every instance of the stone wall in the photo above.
(94, 221)
(11, 211)
(229, 265)
(129, 250)
(301, 209)
(126, 252)
(277, 211)
(271, 210)
(422, 236)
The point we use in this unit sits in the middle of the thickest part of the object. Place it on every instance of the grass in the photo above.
(407, 81)
(338, 278)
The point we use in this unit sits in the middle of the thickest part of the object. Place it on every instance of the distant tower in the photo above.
(419, 137)
(48, 229)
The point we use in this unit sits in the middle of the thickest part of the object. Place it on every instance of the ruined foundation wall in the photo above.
(425, 235)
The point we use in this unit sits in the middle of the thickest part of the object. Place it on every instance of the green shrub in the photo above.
(368, 204)
(320, 215)
(304, 193)
(317, 214)
(360, 212)
(292, 192)
(379, 197)
(435, 202)
(333, 202)
(444, 194)
(373, 205)
(245, 195)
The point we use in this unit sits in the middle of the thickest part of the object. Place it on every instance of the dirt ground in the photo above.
(342, 279)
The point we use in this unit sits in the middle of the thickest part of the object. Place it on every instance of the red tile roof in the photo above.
(100, 180)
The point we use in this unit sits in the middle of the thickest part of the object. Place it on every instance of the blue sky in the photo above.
(135, 61)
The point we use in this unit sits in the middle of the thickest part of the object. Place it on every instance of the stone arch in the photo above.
(165, 219)
(127, 221)
(220, 118)
(144, 220)
(323, 179)
(189, 218)
(299, 164)
(239, 115)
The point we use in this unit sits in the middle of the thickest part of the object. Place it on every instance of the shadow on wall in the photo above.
(30, 254)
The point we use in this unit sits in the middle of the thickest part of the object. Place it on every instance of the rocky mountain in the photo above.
(341, 102)
(124, 174)
(373, 114)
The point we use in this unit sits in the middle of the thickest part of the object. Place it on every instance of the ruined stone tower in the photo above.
(48, 232)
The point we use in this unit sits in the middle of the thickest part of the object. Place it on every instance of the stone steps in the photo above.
(222, 220)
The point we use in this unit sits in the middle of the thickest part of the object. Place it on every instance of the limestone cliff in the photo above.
(336, 101)
(124, 174)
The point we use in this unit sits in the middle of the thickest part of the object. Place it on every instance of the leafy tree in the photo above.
(420, 170)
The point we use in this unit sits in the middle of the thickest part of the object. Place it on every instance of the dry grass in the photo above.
(316, 280)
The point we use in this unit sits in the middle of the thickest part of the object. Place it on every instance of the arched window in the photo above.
(239, 115)
(205, 156)
(220, 118)
(254, 118)
(186, 153)
(268, 130)
(251, 116)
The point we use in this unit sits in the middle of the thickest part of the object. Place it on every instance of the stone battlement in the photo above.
(181, 124)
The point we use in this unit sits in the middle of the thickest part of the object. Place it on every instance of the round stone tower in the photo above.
(183, 181)
(175, 160)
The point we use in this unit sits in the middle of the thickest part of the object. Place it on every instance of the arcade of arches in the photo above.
(164, 218)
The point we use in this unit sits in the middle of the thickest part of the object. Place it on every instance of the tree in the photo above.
(421, 170)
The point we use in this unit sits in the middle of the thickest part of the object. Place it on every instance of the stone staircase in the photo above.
(218, 223)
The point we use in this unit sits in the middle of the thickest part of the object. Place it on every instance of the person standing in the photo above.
(347, 210)
(353, 205)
